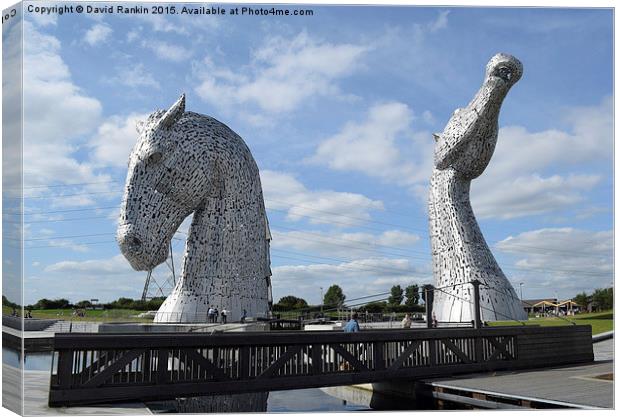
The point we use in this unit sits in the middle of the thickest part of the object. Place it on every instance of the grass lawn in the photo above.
(600, 322)
(91, 315)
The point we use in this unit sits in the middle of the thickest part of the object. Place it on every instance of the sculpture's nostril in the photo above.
(131, 243)
(134, 243)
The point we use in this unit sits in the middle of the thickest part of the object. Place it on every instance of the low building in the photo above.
(547, 306)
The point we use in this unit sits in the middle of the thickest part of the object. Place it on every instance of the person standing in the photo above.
(224, 315)
(211, 314)
(406, 323)
(352, 325)
(245, 313)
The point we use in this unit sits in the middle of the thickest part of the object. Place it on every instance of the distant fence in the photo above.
(100, 368)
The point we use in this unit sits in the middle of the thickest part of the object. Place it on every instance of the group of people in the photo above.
(213, 315)
(27, 315)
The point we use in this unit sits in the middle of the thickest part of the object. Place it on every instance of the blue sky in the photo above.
(338, 109)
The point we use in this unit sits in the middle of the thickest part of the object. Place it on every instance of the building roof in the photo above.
(535, 302)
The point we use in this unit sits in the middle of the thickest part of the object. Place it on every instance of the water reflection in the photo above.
(35, 361)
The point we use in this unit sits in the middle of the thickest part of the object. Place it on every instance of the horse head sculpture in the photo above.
(186, 163)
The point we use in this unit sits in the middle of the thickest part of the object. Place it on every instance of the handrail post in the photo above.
(477, 319)
(428, 300)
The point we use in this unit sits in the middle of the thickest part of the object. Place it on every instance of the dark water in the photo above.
(40, 361)
(303, 400)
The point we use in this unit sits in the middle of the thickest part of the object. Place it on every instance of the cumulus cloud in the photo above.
(56, 114)
(115, 265)
(525, 175)
(114, 140)
(531, 195)
(135, 76)
(283, 192)
(283, 73)
(440, 23)
(344, 244)
(168, 51)
(561, 259)
(379, 146)
(98, 33)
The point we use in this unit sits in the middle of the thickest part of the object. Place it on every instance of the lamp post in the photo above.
(321, 299)
(521, 290)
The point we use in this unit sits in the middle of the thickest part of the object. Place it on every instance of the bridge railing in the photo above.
(96, 368)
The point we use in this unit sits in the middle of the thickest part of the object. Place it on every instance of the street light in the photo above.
(521, 290)
(321, 300)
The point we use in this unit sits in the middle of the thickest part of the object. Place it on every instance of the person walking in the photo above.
(245, 313)
(352, 325)
(406, 323)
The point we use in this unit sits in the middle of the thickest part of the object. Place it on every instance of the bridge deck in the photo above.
(91, 368)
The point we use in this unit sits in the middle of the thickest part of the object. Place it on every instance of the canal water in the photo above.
(303, 400)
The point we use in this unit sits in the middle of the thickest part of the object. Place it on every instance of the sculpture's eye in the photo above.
(154, 158)
(504, 73)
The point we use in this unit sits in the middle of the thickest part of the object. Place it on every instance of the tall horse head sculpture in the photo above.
(460, 252)
(186, 163)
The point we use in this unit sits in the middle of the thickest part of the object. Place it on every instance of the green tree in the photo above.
(412, 292)
(45, 304)
(375, 307)
(396, 295)
(423, 292)
(603, 299)
(290, 302)
(582, 299)
(8, 303)
(334, 297)
(83, 304)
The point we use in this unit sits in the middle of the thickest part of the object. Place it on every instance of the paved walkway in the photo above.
(604, 350)
(36, 390)
(574, 386)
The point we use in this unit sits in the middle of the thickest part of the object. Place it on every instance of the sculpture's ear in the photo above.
(436, 136)
(140, 126)
(174, 113)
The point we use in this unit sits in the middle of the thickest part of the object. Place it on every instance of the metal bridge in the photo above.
(105, 368)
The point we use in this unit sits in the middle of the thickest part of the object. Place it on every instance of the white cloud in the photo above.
(44, 19)
(525, 177)
(531, 195)
(514, 184)
(568, 260)
(440, 23)
(135, 76)
(168, 51)
(283, 73)
(98, 33)
(393, 242)
(159, 23)
(383, 145)
(114, 140)
(56, 114)
(284, 192)
(111, 266)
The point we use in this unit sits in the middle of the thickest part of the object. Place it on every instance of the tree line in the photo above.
(63, 303)
(600, 299)
(400, 301)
